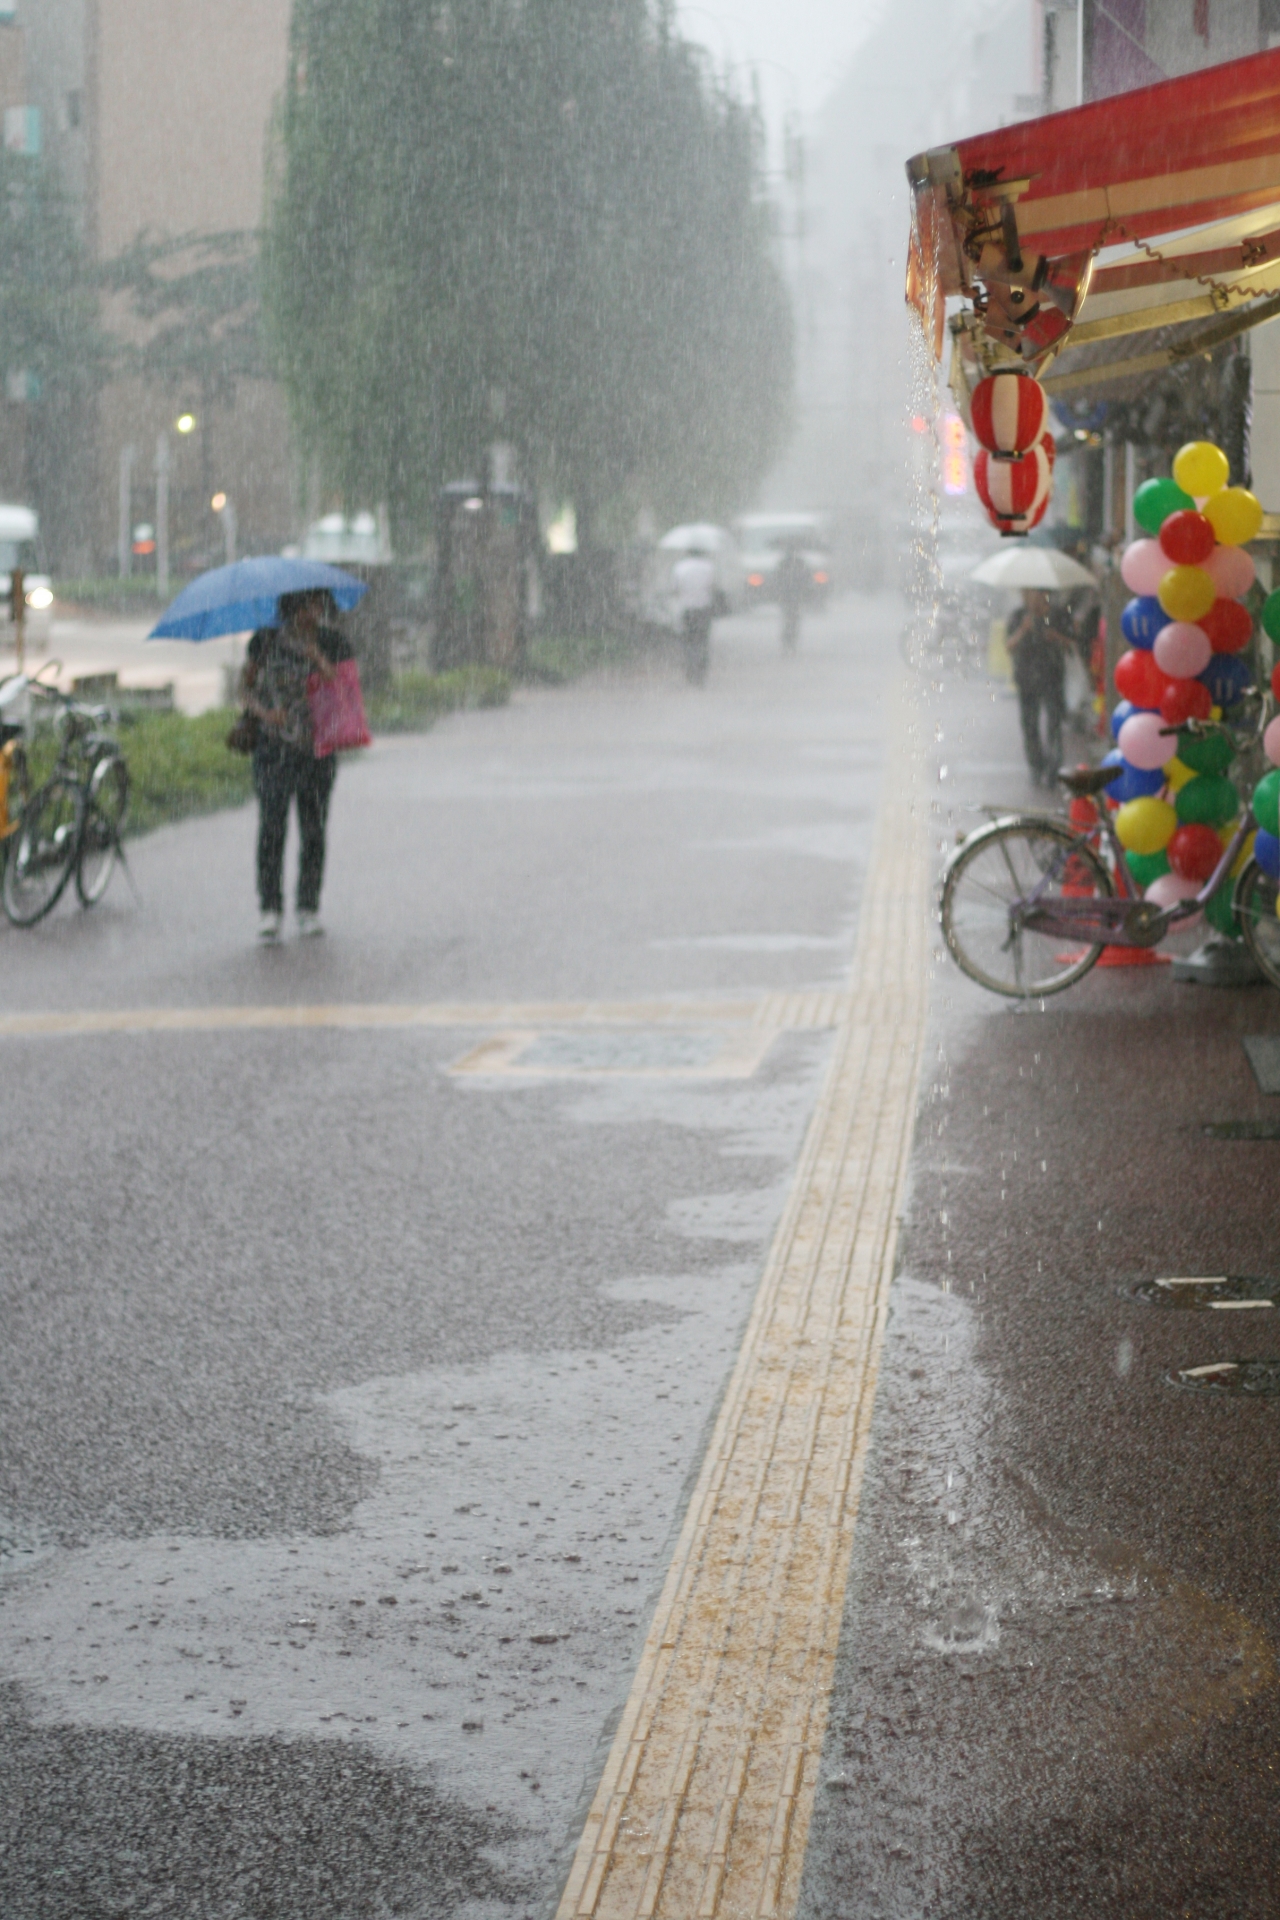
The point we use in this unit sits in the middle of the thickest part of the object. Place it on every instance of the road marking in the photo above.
(706, 1798)
(807, 1010)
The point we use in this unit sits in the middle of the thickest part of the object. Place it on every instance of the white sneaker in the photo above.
(269, 928)
(309, 926)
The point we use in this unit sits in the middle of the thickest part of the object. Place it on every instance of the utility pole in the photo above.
(229, 530)
(124, 524)
(18, 609)
(162, 516)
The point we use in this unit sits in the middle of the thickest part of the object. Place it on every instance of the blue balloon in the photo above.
(1119, 714)
(1142, 620)
(1266, 851)
(1134, 782)
(1227, 677)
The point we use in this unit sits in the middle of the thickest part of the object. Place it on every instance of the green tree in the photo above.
(539, 222)
(52, 348)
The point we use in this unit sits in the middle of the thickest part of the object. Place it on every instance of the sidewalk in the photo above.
(1057, 1691)
(87, 645)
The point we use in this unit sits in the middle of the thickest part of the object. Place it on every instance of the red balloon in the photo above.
(1194, 852)
(1139, 679)
(1275, 682)
(1185, 700)
(1228, 625)
(1188, 538)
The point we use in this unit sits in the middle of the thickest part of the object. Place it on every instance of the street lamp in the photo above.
(185, 423)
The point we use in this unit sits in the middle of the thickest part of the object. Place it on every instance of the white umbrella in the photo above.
(700, 534)
(1023, 566)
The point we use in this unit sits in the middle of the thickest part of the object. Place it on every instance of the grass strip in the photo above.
(179, 766)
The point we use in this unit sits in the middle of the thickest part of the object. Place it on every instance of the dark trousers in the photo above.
(1044, 755)
(282, 774)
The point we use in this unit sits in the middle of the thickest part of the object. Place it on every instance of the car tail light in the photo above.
(820, 579)
(755, 579)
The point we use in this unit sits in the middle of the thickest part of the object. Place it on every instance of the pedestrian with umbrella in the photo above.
(296, 648)
(1038, 647)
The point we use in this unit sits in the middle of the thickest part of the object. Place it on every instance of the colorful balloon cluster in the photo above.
(1266, 795)
(1013, 470)
(1186, 629)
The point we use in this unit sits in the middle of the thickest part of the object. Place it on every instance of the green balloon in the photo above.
(1266, 801)
(1220, 913)
(1271, 616)
(1205, 752)
(1146, 867)
(1208, 801)
(1155, 500)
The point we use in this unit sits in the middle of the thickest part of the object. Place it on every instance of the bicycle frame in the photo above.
(1126, 919)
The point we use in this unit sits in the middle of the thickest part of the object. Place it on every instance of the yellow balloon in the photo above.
(1176, 775)
(1146, 825)
(1235, 515)
(1200, 468)
(1187, 593)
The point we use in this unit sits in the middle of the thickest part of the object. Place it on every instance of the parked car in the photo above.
(20, 546)
(765, 537)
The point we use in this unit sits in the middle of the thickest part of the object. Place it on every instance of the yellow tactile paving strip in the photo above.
(817, 1008)
(704, 1806)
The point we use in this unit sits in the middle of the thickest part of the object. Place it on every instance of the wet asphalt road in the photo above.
(1058, 1691)
(349, 1404)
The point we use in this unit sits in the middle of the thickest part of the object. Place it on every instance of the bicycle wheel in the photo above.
(104, 817)
(1254, 901)
(42, 852)
(1000, 870)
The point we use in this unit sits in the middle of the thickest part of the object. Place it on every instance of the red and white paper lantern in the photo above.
(1015, 492)
(1009, 413)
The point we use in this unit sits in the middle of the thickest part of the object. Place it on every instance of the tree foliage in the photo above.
(533, 220)
(51, 345)
(197, 299)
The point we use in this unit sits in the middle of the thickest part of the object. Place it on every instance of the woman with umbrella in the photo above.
(292, 604)
(273, 689)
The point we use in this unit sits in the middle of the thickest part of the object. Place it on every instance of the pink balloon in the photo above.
(1231, 570)
(1169, 889)
(1147, 741)
(1271, 741)
(1144, 566)
(1182, 650)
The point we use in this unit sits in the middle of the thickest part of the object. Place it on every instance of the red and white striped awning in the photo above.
(1153, 214)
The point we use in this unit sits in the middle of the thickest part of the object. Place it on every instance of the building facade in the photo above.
(157, 116)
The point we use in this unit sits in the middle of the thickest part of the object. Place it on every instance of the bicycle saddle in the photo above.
(1087, 780)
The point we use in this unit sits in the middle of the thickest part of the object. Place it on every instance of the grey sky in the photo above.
(801, 47)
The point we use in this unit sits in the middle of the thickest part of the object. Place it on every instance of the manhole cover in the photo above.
(1256, 1379)
(605, 1052)
(1242, 1130)
(729, 1053)
(1232, 1293)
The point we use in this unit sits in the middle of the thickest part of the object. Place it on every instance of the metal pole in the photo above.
(124, 525)
(229, 530)
(1130, 487)
(162, 516)
(18, 600)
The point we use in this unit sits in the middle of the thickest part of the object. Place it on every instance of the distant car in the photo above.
(20, 547)
(765, 537)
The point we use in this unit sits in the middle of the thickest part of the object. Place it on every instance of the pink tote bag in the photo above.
(337, 711)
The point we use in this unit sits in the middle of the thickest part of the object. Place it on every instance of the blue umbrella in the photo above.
(245, 595)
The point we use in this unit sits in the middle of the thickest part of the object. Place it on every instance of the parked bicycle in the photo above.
(1030, 900)
(69, 825)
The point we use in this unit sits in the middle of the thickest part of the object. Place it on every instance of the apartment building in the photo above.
(157, 114)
